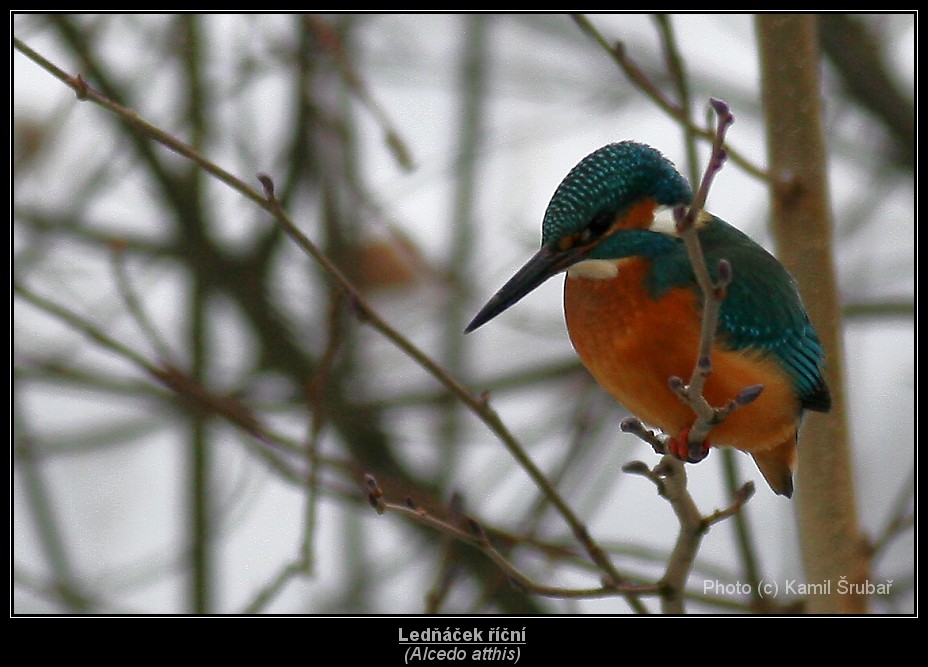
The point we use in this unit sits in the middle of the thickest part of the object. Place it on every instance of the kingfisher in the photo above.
(634, 308)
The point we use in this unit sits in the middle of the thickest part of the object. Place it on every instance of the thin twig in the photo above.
(618, 53)
(477, 537)
(713, 292)
(669, 476)
(477, 404)
(901, 518)
(270, 590)
(677, 70)
(634, 426)
(331, 42)
(741, 497)
(681, 82)
(134, 304)
(173, 378)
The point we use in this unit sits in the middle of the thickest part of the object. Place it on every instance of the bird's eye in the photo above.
(598, 226)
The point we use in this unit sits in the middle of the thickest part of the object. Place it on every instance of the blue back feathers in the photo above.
(762, 309)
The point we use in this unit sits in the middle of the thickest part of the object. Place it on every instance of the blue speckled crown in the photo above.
(608, 180)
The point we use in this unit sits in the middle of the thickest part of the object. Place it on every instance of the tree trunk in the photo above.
(833, 553)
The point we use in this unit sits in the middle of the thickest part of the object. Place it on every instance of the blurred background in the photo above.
(158, 315)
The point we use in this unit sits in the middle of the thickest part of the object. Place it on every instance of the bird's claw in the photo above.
(679, 446)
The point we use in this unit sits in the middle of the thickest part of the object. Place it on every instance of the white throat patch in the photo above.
(663, 221)
(595, 269)
(665, 224)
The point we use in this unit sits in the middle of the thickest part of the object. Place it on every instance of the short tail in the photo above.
(819, 399)
(777, 465)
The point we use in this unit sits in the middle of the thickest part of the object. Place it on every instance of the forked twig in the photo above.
(476, 536)
(713, 291)
(619, 54)
(670, 474)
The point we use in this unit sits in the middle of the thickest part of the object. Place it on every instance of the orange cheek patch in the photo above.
(638, 216)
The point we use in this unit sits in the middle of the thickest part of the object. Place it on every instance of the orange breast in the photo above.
(632, 344)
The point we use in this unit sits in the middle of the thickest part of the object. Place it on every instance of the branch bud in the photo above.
(744, 493)
(637, 468)
(724, 272)
(749, 394)
(705, 364)
(631, 425)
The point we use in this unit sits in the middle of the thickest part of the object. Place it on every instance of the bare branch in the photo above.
(477, 537)
(618, 53)
(669, 476)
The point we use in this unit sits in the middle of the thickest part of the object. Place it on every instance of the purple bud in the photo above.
(682, 218)
(724, 271)
(749, 394)
(268, 184)
(719, 106)
(723, 111)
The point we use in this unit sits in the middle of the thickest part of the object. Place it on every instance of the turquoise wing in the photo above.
(762, 309)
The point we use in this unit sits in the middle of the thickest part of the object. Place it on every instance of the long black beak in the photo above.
(547, 262)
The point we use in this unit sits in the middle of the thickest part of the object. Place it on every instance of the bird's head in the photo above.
(602, 210)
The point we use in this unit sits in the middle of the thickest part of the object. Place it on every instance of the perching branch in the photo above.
(670, 478)
(670, 475)
(678, 74)
(713, 295)
(713, 292)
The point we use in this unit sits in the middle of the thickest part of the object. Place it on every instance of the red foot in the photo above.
(679, 447)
